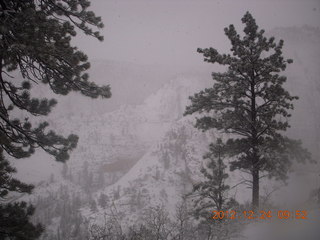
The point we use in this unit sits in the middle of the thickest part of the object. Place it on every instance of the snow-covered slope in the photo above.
(112, 142)
(164, 175)
(130, 130)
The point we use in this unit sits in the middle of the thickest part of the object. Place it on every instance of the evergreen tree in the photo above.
(7, 182)
(103, 200)
(93, 206)
(14, 217)
(35, 41)
(248, 101)
(211, 194)
(15, 222)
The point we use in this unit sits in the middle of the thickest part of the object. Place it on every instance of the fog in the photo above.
(137, 148)
(169, 32)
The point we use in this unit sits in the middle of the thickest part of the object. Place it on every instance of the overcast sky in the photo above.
(169, 32)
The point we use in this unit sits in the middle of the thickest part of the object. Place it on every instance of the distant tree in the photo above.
(212, 196)
(35, 41)
(212, 193)
(184, 228)
(103, 200)
(93, 206)
(108, 226)
(248, 101)
(157, 223)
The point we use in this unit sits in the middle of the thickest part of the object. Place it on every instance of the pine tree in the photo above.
(35, 41)
(248, 101)
(15, 222)
(93, 206)
(103, 200)
(14, 217)
(212, 193)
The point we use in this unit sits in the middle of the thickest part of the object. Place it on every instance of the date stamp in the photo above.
(281, 214)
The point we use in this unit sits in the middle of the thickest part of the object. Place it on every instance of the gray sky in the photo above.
(169, 32)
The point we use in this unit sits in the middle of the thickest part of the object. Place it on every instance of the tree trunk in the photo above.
(255, 188)
(254, 142)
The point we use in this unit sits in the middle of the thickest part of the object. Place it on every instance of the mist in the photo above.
(137, 150)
